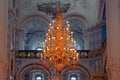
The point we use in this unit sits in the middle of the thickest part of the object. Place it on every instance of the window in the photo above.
(39, 48)
(38, 78)
(73, 78)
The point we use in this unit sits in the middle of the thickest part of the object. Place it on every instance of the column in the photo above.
(113, 39)
(3, 38)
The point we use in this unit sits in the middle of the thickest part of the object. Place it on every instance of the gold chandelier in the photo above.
(59, 48)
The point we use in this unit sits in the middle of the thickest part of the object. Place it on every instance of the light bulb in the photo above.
(53, 37)
(51, 27)
(61, 38)
(73, 57)
(71, 32)
(50, 24)
(77, 54)
(49, 30)
(45, 40)
(67, 22)
(43, 50)
(53, 21)
(75, 51)
(67, 28)
(74, 42)
(49, 38)
(56, 48)
(68, 25)
(57, 27)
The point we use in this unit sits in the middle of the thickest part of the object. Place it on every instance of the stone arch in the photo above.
(23, 21)
(79, 17)
(33, 68)
(35, 27)
(79, 25)
(76, 69)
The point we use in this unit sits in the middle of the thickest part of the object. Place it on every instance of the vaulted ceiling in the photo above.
(35, 15)
(89, 9)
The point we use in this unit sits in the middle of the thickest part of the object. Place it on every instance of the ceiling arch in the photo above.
(31, 67)
(79, 17)
(77, 26)
(80, 72)
(35, 28)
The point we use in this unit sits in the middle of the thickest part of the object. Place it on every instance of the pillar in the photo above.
(3, 38)
(113, 39)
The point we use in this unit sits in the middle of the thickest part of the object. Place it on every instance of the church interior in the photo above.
(59, 39)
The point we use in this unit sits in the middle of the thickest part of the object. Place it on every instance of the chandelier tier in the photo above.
(59, 48)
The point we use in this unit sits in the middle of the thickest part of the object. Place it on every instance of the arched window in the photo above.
(39, 48)
(38, 78)
(73, 78)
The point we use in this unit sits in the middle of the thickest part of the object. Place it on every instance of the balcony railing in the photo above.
(36, 54)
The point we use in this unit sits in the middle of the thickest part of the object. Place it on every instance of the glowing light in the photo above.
(38, 78)
(39, 48)
(73, 78)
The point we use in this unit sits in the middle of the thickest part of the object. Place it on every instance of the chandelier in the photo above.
(59, 47)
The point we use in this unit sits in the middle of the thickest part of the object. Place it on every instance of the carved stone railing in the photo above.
(29, 54)
(96, 53)
(36, 54)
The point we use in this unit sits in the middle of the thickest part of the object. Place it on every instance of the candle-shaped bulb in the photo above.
(43, 50)
(53, 21)
(71, 34)
(67, 22)
(50, 24)
(68, 25)
(72, 40)
(49, 30)
(56, 48)
(67, 28)
(61, 38)
(57, 27)
(49, 39)
(45, 40)
(77, 54)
